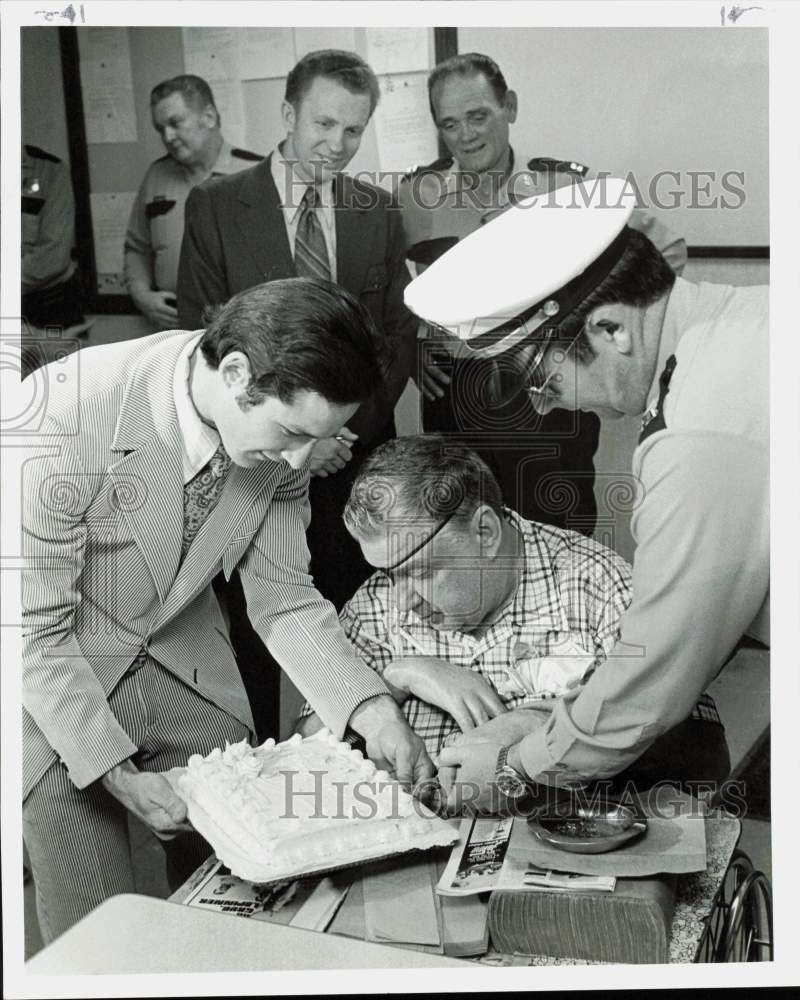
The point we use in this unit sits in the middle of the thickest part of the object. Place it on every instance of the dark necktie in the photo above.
(201, 493)
(310, 250)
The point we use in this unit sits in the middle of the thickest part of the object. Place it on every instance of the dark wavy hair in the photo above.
(299, 334)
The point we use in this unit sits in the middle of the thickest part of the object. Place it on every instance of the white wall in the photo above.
(646, 100)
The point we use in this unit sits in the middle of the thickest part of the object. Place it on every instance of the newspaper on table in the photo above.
(480, 862)
(308, 903)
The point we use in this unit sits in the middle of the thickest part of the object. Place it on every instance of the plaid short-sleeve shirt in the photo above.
(571, 590)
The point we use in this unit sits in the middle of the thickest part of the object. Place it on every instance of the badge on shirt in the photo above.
(653, 418)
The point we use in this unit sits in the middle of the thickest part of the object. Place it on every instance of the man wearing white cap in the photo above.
(544, 463)
(590, 316)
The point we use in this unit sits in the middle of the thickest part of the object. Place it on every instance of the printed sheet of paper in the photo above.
(398, 50)
(215, 54)
(107, 85)
(216, 889)
(266, 52)
(477, 859)
(212, 53)
(313, 38)
(488, 856)
(405, 132)
(230, 104)
(110, 214)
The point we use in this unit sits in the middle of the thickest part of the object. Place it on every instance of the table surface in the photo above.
(129, 934)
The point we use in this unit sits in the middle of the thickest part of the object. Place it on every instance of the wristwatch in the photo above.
(507, 778)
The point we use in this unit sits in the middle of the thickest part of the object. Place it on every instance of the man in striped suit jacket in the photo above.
(128, 668)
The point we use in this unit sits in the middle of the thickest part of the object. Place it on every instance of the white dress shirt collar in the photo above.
(291, 188)
(199, 440)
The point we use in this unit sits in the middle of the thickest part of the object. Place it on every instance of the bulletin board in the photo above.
(678, 99)
(110, 71)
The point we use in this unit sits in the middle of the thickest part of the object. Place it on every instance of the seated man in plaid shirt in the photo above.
(476, 619)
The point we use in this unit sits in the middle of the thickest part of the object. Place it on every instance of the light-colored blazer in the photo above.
(102, 531)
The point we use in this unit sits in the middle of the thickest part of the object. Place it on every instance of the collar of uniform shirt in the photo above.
(199, 440)
(677, 317)
(225, 163)
(454, 175)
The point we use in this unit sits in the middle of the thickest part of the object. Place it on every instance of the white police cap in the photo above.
(527, 268)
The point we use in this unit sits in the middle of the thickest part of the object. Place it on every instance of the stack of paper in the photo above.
(567, 881)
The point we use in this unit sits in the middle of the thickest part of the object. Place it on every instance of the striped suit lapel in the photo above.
(244, 489)
(148, 474)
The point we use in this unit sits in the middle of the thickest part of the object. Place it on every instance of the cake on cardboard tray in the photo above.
(302, 806)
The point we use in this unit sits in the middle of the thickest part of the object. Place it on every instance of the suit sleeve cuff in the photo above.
(337, 717)
(117, 747)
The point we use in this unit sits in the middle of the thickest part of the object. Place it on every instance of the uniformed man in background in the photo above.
(544, 464)
(187, 119)
(602, 323)
(51, 288)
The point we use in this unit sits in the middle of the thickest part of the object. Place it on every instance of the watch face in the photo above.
(510, 783)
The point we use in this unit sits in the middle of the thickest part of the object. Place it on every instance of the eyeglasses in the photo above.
(522, 370)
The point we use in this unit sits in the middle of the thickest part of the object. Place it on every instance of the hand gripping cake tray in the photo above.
(302, 807)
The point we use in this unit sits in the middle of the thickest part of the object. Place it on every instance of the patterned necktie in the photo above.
(201, 493)
(310, 250)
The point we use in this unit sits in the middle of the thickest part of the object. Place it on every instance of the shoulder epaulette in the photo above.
(245, 154)
(546, 165)
(40, 154)
(444, 163)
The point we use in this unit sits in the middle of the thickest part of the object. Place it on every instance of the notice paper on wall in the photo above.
(107, 85)
(110, 213)
(216, 55)
(406, 135)
(266, 53)
(212, 53)
(398, 50)
(312, 38)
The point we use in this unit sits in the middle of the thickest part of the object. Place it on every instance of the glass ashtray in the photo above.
(591, 828)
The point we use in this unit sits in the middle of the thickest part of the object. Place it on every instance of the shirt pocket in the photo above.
(31, 205)
(161, 206)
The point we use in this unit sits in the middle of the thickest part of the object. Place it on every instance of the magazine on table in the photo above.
(480, 862)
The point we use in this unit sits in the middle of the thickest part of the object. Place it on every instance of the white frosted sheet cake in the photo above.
(302, 806)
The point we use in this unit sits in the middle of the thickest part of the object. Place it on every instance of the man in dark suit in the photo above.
(243, 229)
(296, 212)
